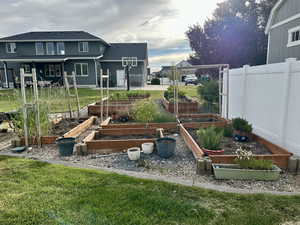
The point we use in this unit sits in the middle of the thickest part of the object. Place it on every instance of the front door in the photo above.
(120, 78)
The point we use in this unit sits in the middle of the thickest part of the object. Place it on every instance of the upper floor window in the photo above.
(83, 46)
(294, 37)
(11, 47)
(39, 48)
(50, 48)
(60, 48)
(102, 49)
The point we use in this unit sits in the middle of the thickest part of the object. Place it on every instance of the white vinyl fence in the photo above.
(268, 96)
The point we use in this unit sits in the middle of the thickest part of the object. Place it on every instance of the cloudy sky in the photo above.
(161, 23)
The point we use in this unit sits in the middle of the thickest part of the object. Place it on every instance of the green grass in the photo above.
(11, 99)
(32, 193)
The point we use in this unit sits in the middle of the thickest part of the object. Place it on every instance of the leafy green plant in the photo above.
(228, 130)
(169, 93)
(161, 117)
(144, 111)
(242, 125)
(210, 138)
(246, 160)
(209, 91)
(45, 123)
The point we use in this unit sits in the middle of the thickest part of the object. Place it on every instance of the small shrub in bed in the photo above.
(155, 81)
(209, 91)
(228, 130)
(144, 111)
(210, 138)
(246, 160)
(169, 94)
(242, 125)
(162, 117)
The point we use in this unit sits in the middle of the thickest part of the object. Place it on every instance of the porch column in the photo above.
(95, 61)
(5, 74)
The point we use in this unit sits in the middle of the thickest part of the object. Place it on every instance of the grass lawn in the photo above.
(11, 99)
(32, 193)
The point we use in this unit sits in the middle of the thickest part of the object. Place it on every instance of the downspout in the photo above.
(95, 61)
(5, 74)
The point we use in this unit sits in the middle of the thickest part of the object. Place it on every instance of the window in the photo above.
(50, 48)
(81, 69)
(27, 68)
(39, 48)
(83, 47)
(102, 49)
(294, 37)
(58, 70)
(11, 47)
(60, 48)
(50, 70)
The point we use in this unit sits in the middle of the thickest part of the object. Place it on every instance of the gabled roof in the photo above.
(272, 15)
(53, 36)
(118, 50)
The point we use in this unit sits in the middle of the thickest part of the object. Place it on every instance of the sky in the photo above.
(160, 23)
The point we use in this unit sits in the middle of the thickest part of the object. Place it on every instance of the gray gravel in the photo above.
(181, 166)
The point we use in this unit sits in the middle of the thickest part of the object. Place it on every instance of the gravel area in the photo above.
(182, 166)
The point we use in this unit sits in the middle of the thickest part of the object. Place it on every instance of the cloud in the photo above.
(160, 23)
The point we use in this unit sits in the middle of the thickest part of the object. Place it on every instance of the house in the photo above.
(54, 52)
(283, 30)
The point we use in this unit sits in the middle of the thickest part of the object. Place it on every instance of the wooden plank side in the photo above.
(190, 142)
(82, 127)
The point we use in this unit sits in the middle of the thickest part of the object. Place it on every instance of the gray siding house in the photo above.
(283, 30)
(53, 52)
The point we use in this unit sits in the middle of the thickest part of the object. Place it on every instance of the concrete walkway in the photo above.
(147, 176)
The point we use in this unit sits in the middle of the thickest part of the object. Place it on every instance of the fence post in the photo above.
(287, 87)
(244, 109)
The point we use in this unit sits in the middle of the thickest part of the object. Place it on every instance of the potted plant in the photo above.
(242, 129)
(210, 139)
(247, 167)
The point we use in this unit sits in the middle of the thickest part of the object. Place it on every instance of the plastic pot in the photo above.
(147, 148)
(165, 147)
(134, 153)
(65, 146)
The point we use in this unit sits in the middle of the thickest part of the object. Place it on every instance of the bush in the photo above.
(144, 111)
(161, 117)
(209, 91)
(228, 130)
(210, 138)
(155, 81)
(246, 160)
(242, 125)
(169, 93)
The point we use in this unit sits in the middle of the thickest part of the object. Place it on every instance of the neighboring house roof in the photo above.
(53, 36)
(272, 15)
(46, 58)
(118, 50)
(183, 63)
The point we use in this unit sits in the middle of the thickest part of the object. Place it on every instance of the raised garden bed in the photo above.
(184, 105)
(115, 107)
(268, 151)
(202, 120)
(65, 127)
(233, 172)
(105, 141)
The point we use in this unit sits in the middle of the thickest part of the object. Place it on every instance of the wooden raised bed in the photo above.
(212, 120)
(279, 155)
(183, 107)
(165, 126)
(110, 146)
(119, 107)
(75, 132)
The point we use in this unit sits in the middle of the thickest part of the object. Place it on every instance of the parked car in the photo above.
(191, 79)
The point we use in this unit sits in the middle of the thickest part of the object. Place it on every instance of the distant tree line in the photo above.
(234, 35)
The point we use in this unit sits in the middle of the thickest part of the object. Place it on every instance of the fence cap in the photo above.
(291, 59)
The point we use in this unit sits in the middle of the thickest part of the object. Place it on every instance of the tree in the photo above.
(235, 34)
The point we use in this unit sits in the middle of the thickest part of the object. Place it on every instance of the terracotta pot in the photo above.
(213, 152)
